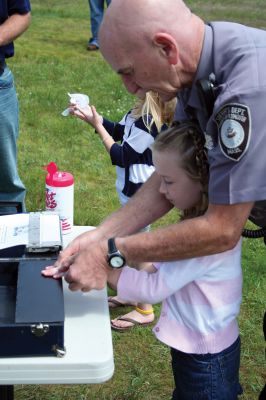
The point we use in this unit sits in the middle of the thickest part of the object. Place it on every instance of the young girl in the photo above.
(201, 296)
(133, 160)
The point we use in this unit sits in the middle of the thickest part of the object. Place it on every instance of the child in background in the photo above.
(200, 296)
(133, 159)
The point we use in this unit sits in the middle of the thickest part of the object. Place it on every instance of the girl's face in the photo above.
(176, 185)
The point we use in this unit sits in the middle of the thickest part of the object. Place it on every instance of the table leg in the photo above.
(7, 392)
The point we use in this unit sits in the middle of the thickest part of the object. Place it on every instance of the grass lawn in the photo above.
(51, 60)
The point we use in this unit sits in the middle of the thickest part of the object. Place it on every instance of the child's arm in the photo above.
(144, 287)
(107, 139)
(90, 115)
(113, 277)
(114, 274)
(145, 266)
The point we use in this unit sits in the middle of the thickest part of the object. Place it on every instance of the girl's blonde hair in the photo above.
(154, 111)
(187, 140)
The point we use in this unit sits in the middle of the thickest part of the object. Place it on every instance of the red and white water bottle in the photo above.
(59, 195)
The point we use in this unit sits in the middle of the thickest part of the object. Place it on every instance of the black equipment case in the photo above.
(31, 305)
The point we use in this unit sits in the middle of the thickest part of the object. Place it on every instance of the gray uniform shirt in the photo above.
(235, 132)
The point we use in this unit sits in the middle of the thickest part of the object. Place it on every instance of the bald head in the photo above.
(162, 34)
(129, 20)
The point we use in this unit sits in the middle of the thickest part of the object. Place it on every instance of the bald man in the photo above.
(160, 45)
(217, 72)
(154, 49)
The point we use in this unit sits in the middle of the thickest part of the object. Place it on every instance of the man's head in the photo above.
(152, 44)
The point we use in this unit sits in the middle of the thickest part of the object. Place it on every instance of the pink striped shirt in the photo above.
(200, 297)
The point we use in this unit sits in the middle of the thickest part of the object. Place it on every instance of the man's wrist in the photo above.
(115, 258)
(103, 243)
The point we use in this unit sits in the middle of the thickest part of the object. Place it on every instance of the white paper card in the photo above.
(14, 229)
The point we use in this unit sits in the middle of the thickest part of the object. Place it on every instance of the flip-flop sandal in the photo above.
(113, 303)
(127, 328)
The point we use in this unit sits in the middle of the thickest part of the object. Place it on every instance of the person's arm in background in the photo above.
(109, 132)
(13, 27)
(97, 122)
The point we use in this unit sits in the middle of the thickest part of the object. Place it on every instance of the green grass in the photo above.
(51, 60)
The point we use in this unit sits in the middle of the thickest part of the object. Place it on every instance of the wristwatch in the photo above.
(115, 258)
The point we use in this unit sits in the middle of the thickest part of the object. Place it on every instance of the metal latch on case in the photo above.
(39, 329)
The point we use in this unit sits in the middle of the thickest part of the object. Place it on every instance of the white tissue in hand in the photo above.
(81, 100)
(65, 113)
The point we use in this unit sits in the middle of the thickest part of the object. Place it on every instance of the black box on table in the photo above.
(31, 305)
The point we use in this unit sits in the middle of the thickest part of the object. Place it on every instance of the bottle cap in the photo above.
(57, 178)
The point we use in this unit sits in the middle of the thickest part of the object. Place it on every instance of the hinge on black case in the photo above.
(59, 351)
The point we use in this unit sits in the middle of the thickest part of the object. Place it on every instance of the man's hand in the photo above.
(88, 270)
(83, 263)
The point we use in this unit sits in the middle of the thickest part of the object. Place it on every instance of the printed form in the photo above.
(14, 229)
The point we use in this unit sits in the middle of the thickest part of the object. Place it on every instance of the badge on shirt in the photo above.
(233, 121)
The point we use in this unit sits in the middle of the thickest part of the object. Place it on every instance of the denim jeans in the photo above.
(207, 376)
(11, 187)
(96, 11)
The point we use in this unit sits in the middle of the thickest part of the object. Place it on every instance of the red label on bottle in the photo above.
(50, 201)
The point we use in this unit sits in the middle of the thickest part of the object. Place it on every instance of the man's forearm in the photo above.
(13, 27)
(145, 207)
(215, 232)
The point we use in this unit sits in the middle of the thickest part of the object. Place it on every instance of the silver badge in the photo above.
(233, 121)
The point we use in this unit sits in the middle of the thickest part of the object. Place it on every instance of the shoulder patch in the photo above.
(234, 127)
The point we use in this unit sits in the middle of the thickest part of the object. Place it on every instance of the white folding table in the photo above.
(88, 342)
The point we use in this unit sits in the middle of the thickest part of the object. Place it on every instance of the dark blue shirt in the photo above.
(8, 8)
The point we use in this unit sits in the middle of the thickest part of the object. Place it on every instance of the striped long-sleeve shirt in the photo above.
(133, 157)
(201, 300)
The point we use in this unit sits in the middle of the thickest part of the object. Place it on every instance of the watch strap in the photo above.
(111, 246)
(114, 255)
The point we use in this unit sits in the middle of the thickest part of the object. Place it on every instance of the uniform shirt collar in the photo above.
(205, 68)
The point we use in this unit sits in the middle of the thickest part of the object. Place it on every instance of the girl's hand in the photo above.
(83, 113)
(87, 114)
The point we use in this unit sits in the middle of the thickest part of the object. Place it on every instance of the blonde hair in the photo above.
(154, 111)
(188, 142)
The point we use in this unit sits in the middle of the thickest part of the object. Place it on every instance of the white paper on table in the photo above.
(14, 229)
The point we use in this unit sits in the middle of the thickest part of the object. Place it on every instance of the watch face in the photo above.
(117, 261)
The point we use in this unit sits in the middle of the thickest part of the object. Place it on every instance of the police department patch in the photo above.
(233, 122)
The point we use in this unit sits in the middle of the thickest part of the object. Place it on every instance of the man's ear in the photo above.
(168, 45)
